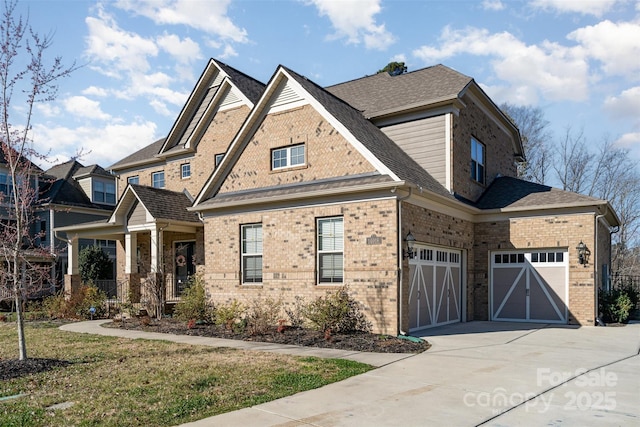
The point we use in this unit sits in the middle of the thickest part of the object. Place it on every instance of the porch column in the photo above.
(72, 256)
(155, 250)
(72, 279)
(131, 253)
(131, 267)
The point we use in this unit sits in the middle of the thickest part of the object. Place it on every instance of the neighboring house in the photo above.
(73, 194)
(401, 187)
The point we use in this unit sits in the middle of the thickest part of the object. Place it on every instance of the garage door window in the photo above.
(544, 257)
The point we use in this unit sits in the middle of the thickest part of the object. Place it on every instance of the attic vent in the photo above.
(286, 95)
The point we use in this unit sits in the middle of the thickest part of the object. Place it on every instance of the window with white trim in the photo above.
(157, 179)
(330, 250)
(104, 192)
(252, 253)
(287, 157)
(477, 161)
(133, 179)
(185, 170)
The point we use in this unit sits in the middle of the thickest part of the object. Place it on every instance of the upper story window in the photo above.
(43, 231)
(219, 158)
(104, 192)
(477, 161)
(287, 157)
(252, 253)
(330, 250)
(133, 179)
(157, 179)
(5, 184)
(185, 170)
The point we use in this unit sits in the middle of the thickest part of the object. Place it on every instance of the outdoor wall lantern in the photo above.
(409, 253)
(583, 253)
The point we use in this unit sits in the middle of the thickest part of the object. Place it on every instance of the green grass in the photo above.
(121, 382)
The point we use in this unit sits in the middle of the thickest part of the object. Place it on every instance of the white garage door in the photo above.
(434, 295)
(529, 286)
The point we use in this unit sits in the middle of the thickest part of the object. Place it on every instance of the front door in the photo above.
(184, 264)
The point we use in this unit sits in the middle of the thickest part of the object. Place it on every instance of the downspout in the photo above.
(597, 219)
(400, 270)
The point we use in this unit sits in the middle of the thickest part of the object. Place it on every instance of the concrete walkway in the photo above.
(477, 373)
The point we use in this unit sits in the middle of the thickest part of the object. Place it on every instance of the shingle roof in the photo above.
(164, 204)
(59, 187)
(382, 92)
(296, 188)
(251, 87)
(380, 145)
(91, 170)
(144, 153)
(507, 192)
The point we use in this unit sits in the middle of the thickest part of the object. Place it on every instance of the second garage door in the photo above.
(434, 295)
(529, 286)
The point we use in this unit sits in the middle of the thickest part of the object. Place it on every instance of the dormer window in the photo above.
(104, 192)
(287, 157)
(477, 161)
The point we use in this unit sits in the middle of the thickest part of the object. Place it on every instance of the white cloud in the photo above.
(588, 7)
(615, 45)
(626, 105)
(81, 106)
(102, 145)
(549, 69)
(114, 49)
(631, 142)
(95, 91)
(229, 51)
(48, 109)
(184, 51)
(208, 16)
(355, 21)
(492, 5)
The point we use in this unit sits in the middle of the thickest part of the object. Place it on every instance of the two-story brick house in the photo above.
(401, 187)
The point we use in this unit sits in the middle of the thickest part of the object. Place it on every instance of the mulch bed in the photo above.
(15, 368)
(360, 341)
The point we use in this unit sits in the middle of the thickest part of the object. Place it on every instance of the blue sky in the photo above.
(577, 60)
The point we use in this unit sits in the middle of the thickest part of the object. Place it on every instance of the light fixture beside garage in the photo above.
(583, 253)
(409, 253)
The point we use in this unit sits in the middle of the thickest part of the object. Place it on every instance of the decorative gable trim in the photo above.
(286, 97)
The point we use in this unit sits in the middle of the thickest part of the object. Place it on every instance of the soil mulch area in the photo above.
(360, 341)
(15, 368)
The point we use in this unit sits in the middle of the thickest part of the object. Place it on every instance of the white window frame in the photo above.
(334, 249)
(478, 161)
(287, 156)
(251, 249)
(153, 179)
(185, 170)
(135, 179)
(218, 158)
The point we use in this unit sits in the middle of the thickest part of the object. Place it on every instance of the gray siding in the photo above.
(139, 215)
(424, 141)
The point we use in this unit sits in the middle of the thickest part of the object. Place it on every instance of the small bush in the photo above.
(616, 305)
(295, 313)
(77, 305)
(230, 316)
(263, 314)
(194, 303)
(336, 312)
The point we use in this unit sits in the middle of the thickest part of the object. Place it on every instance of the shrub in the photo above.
(263, 314)
(295, 313)
(230, 315)
(616, 304)
(336, 312)
(77, 305)
(94, 264)
(194, 303)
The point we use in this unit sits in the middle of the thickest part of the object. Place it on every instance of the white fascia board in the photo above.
(215, 102)
(380, 167)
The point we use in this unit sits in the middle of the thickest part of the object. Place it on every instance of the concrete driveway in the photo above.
(479, 373)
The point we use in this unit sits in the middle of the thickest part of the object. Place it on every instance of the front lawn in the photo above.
(121, 382)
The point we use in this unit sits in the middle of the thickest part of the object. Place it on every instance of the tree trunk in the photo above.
(22, 342)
